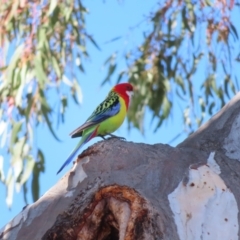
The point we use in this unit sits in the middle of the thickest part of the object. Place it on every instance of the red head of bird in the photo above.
(125, 90)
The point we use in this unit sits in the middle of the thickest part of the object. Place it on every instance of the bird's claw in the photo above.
(120, 138)
(112, 136)
(101, 136)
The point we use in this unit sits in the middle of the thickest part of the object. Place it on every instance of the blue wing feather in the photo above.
(110, 112)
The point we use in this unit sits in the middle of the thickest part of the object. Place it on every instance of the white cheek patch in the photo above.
(130, 94)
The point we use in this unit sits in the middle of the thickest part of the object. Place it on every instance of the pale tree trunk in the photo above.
(123, 190)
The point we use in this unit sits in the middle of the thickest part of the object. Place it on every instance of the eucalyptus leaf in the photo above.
(39, 71)
(10, 188)
(53, 4)
(38, 168)
(28, 169)
(16, 128)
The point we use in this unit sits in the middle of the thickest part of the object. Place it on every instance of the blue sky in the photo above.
(105, 21)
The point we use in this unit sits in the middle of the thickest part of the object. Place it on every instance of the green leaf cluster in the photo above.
(39, 40)
(187, 39)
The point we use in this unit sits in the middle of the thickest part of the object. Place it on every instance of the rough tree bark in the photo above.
(123, 190)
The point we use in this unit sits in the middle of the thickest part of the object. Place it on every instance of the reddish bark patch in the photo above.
(115, 212)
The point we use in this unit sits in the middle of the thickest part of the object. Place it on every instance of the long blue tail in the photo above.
(84, 140)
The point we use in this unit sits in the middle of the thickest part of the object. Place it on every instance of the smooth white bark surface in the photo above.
(203, 206)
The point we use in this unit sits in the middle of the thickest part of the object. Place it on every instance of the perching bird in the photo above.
(107, 118)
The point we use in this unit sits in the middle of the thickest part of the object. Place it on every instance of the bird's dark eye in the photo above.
(129, 88)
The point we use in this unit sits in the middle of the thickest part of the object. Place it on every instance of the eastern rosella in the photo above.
(107, 118)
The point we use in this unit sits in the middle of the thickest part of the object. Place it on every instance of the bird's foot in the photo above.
(114, 136)
(101, 136)
(111, 136)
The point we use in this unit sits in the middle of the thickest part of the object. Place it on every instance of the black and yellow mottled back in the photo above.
(111, 101)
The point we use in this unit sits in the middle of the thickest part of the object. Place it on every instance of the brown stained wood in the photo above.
(116, 211)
